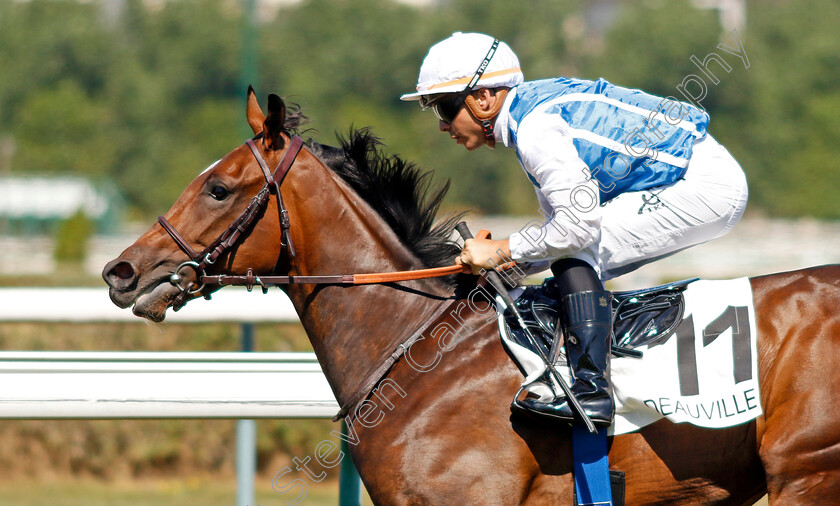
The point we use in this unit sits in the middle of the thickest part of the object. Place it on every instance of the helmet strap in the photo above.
(487, 118)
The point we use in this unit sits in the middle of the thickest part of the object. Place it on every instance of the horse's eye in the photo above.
(219, 192)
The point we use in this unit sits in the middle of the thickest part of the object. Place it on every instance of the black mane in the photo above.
(399, 192)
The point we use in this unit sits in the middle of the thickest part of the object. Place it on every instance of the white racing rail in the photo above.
(117, 384)
(92, 305)
(78, 384)
(97, 384)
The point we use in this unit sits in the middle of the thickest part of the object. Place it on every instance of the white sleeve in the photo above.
(570, 201)
(545, 206)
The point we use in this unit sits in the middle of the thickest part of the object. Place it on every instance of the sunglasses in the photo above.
(447, 109)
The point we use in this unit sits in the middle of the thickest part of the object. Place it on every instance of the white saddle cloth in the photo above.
(705, 374)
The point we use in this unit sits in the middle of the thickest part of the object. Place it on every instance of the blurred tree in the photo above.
(61, 129)
(650, 44)
(786, 130)
(151, 97)
(776, 116)
(193, 45)
(43, 43)
(72, 238)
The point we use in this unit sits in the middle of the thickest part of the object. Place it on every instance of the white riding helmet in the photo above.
(453, 63)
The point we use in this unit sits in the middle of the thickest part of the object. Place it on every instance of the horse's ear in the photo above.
(255, 116)
(274, 122)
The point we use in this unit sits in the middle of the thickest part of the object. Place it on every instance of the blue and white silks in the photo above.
(629, 140)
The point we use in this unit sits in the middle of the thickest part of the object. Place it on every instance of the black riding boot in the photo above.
(588, 319)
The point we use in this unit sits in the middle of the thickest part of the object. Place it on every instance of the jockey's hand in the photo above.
(484, 254)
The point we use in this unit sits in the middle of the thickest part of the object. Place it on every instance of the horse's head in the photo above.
(162, 268)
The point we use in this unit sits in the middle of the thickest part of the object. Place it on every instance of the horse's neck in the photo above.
(352, 328)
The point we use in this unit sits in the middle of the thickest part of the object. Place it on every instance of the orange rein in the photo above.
(250, 280)
(389, 277)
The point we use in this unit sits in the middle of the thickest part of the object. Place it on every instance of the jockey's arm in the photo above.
(569, 199)
(550, 159)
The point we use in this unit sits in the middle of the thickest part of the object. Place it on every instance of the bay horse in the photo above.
(446, 434)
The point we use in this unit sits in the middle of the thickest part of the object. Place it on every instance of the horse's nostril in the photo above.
(123, 270)
(119, 275)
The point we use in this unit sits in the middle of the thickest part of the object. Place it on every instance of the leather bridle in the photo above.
(232, 236)
(198, 262)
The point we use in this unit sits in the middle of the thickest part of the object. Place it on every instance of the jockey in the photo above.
(623, 178)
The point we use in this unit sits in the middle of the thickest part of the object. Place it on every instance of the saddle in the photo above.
(645, 317)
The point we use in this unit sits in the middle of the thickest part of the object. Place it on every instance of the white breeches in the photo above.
(641, 227)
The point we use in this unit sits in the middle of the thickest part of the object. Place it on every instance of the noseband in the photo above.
(232, 236)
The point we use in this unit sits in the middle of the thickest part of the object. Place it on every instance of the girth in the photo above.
(375, 376)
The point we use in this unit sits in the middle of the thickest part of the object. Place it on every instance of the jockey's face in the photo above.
(465, 128)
